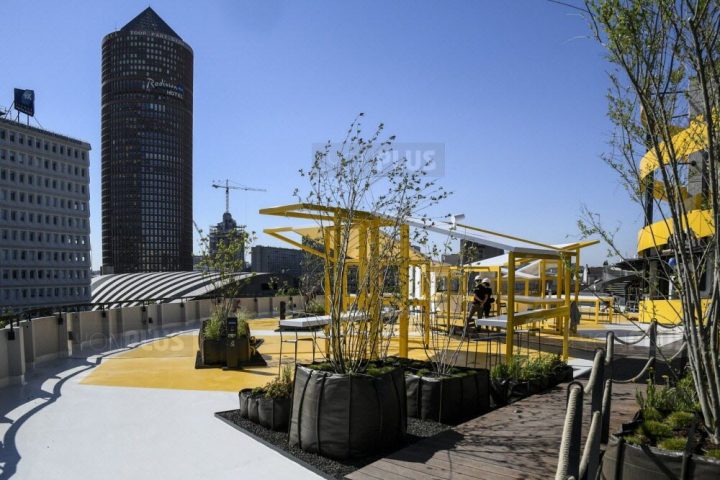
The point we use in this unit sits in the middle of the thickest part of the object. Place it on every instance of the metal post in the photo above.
(510, 337)
(404, 272)
(566, 323)
(652, 350)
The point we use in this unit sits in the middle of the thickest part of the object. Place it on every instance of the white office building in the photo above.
(44, 218)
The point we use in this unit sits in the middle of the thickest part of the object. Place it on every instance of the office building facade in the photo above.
(226, 231)
(147, 126)
(44, 218)
(284, 261)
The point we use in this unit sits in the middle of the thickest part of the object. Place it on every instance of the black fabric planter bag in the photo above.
(244, 395)
(448, 399)
(252, 407)
(500, 392)
(274, 413)
(347, 416)
(623, 461)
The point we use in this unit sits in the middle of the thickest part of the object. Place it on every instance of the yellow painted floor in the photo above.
(170, 362)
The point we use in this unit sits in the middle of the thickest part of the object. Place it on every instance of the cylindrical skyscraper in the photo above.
(147, 128)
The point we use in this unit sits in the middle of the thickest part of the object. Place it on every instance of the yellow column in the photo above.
(362, 267)
(404, 267)
(577, 274)
(527, 287)
(375, 301)
(566, 330)
(449, 303)
(425, 295)
(597, 310)
(510, 337)
(498, 290)
(328, 288)
(338, 299)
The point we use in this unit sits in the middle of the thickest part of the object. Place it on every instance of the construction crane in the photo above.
(228, 187)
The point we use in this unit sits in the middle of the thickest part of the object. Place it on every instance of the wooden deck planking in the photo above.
(517, 442)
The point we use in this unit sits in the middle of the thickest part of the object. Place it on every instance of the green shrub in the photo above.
(675, 443)
(655, 430)
(322, 367)
(651, 413)
(713, 453)
(282, 385)
(242, 314)
(243, 329)
(637, 439)
(315, 308)
(214, 326)
(680, 397)
(374, 371)
(680, 420)
(258, 391)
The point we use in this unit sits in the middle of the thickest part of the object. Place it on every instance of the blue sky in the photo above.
(513, 89)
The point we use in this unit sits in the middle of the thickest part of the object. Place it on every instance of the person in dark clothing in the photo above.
(489, 298)
(480, 298)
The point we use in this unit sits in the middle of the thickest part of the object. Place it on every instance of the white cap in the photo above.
(485, 280)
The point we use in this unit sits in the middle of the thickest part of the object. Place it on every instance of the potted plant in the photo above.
(212, 340)
(354, 403)
(526, 376)
(664, 104)
(459, 394)
(665, 438)
(275, 403)
(348, 415)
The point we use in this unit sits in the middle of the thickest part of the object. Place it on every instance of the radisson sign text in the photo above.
(170, 89)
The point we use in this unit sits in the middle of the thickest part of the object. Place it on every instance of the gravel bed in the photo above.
(330, 468)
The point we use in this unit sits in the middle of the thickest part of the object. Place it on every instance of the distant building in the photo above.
(222, 231)
(472, 252)
(451, 259)
(287, 261)
(44, 218)
(147, 146)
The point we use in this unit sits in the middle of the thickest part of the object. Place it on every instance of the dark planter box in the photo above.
(237, 351)
(274, 413)
(509, 391)
(623, 461)
(448, 399)
(347, 416)
(213, 351)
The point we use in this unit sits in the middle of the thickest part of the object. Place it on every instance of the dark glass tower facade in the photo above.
(147, 118)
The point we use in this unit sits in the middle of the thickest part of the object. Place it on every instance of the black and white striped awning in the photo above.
(133, 289)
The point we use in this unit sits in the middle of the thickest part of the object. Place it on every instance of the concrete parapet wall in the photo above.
(264, 306)
(205, 308)
(94, 329)
(45, 339)
(192, 312)
(173, 314)
(133, 320)
(12, 356)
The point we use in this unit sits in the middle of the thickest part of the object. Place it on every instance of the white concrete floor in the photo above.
(55, 428)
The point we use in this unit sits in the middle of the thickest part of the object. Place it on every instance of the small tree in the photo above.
(667, 59)
(223, 265)
(366, 199)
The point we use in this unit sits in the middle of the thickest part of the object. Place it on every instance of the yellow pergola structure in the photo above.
(367, 239)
